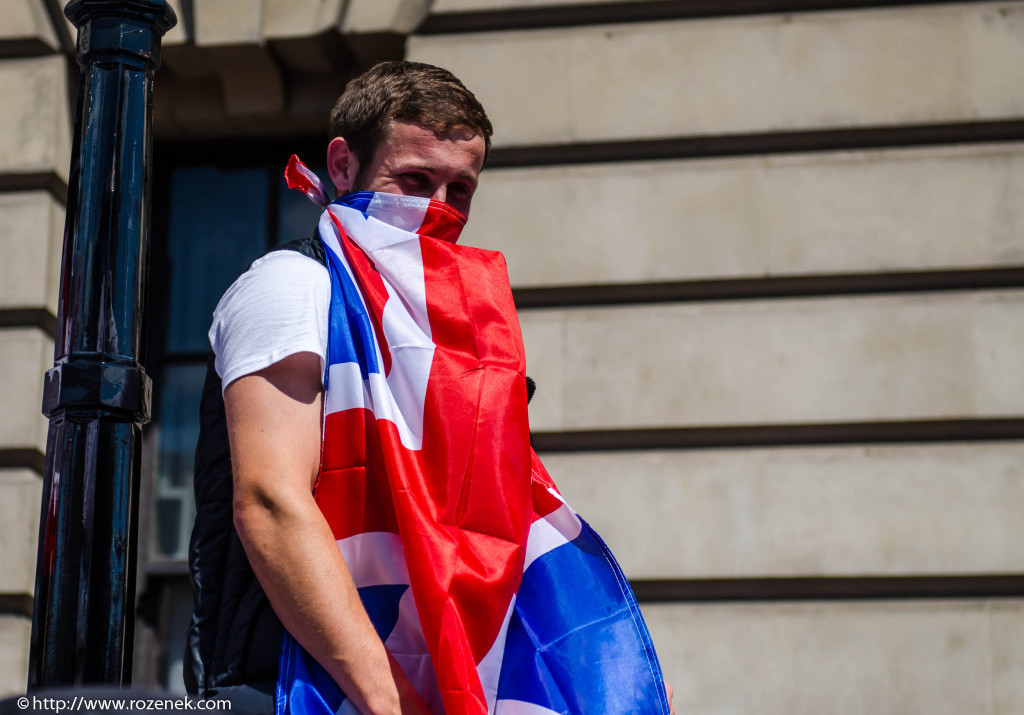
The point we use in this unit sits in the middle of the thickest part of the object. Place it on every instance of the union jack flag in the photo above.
(486, 587)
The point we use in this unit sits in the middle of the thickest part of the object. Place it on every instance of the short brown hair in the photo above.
(411, 91)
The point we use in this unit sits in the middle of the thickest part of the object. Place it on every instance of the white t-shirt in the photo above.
(277, 308)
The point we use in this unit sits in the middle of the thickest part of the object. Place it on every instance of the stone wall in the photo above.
(770, 269)
(35, 142)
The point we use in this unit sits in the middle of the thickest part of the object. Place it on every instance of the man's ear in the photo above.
(342, 165)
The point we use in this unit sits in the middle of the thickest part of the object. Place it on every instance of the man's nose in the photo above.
(440, 193)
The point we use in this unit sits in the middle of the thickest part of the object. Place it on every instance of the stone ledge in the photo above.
(35, 126)
(804, 512)
(20, 493)
(25, 356)
(925, 208)
(32, 224)
(927, 64)
(773, 363)
(939, 658)
(451, 16)
(788, 434)
(218, 24)
(26, 22)
(15, 632)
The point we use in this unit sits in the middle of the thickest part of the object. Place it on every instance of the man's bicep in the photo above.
(273, 419)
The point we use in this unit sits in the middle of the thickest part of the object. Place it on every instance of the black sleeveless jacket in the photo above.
(234, 639)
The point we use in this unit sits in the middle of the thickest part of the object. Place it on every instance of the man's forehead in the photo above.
(403, 128)
(408, 140)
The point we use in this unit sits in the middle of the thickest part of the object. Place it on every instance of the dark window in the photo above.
(214, 213)
(218, 220)
(215, 230)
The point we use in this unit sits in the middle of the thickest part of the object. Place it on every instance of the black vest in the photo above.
(234, 639)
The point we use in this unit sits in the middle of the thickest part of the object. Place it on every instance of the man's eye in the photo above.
(459, 190)
(415, 178)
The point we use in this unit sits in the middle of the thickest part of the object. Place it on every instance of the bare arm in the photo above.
(273, 419)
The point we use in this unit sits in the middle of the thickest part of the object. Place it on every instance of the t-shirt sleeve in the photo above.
(279, 307)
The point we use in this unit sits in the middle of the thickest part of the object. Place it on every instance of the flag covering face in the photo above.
(489, 591)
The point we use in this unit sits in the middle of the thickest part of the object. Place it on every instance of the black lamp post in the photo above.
(97, 396)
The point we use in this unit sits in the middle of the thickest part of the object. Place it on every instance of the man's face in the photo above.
(414, 161)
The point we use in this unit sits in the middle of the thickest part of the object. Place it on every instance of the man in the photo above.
(401, 128)
(414, 135)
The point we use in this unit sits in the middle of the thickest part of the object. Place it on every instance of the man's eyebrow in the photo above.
(433, 170)
(473, 178)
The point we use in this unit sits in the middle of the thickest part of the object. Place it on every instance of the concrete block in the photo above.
(15, 632)
(911, 658)
(996, 37)
(908, 209)
(228, 22)
(533, 71)
(20, 493)
(300, 18)
(177, 34)
(32, 224)
(906, 357)
(25, 356)
(1007, 633)
(442, 6)
(763, 73)
(998, 325)
(251, 82)
(35, 128)
(823, 511)
(546, 328)
(384, 16)
(73, 31)
(26, 20)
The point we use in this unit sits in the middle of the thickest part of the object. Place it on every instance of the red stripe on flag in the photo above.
(442, 221)
(463, 504)
(544, 502)
(476, 452)
(351, 490)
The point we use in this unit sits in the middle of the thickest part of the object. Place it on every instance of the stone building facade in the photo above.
(769, 259)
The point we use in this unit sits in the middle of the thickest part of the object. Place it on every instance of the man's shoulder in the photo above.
(303, 255)
(285, 272)
(308, 247)
(288, 281)
(278, 307)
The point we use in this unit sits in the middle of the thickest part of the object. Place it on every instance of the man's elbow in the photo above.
(246, 513)
(255, 510)
(250, 516)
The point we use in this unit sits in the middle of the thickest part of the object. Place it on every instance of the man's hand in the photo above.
(274, 427)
